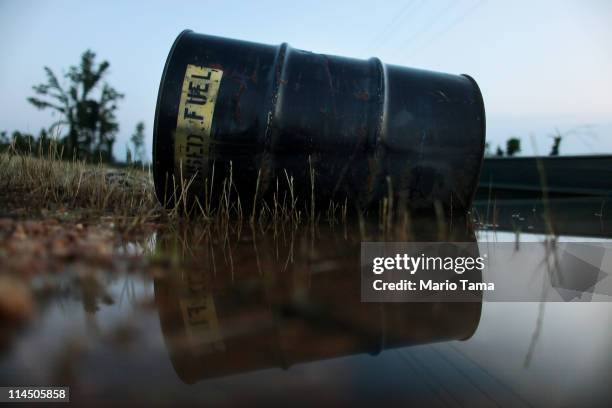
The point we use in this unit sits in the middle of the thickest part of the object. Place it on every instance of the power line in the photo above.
(435, 18)
(449, 27)
(384, 35)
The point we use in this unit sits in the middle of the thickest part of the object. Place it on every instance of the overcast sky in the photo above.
(541, 65)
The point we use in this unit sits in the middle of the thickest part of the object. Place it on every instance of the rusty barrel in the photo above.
(273, 121)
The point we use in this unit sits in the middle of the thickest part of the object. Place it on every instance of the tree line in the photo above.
(513, 147)
(86, 105)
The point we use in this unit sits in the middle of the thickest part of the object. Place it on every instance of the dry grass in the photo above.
(34, 184)
(38, 184)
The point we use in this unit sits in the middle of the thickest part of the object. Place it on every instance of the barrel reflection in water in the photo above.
(269, 302)
(343, 129)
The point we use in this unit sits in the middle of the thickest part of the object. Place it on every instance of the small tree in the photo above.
(554, 151)
(513, 146)
(90, 119)
(137, 140)
(128, 154)
(4, 140)
(557, 138)
(499, 152)
(23, 143)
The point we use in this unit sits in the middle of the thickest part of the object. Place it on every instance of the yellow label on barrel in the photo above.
(199, 313)
(201, 325)
(194, 121)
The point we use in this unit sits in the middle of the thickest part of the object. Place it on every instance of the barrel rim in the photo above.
(163, 166)
(483, 141)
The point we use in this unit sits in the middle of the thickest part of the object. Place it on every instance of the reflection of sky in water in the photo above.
(571, 357)
(569, 363)
(504, 236)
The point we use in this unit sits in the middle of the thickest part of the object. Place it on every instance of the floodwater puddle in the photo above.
(253, 316)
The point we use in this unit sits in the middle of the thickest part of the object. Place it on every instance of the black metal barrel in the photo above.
(325, 128)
